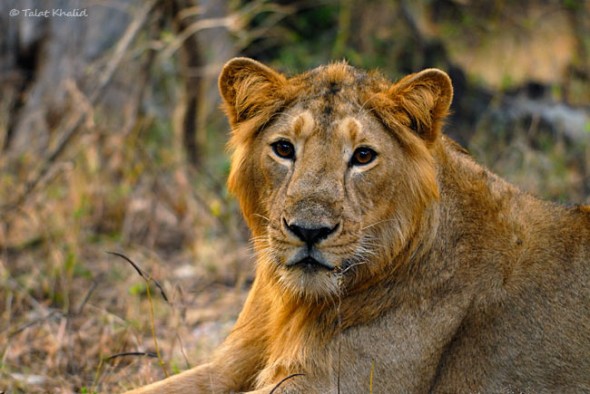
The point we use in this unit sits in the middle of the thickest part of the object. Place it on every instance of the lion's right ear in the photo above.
(249, 88)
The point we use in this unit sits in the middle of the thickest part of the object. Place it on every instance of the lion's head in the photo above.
(333, 168)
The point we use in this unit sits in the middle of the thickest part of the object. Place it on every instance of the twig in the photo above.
(97, 375)
(284, 380)
(371, 376)
(153, 329)
(32, 323)
(87, 297)
(99, 368)
(147, 277)
(134, 354)
(228, 22)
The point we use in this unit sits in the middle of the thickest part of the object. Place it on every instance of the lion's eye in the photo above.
(284, 149)
(363, 156)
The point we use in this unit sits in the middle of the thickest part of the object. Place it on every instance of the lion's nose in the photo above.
(311, 235)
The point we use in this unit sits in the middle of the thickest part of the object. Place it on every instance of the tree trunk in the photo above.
(45, 59)
(202, 54)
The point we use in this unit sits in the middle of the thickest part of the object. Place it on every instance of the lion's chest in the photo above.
(399, 352)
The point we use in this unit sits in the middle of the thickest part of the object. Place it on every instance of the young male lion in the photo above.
(388, 260)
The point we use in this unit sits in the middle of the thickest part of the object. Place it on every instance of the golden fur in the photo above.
(429, 273)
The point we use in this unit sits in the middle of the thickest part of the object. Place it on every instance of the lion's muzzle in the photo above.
(308, 256)
(310, 235)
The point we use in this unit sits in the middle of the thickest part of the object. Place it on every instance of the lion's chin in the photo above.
(309, 282)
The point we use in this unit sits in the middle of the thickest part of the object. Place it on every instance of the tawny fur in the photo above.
(445, 278)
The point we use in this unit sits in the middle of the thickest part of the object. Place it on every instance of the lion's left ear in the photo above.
(249, 88)
(426, 97)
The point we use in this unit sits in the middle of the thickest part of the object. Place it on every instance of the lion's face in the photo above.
(323, 183)
(331, 172)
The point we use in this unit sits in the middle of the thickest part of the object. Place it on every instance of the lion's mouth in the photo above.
(308, 263)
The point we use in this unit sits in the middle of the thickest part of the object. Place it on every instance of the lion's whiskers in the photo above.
(353, 265)
(377, 223)
(262, 217)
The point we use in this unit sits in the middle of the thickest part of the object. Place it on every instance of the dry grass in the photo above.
(48, 348)
(67, 306)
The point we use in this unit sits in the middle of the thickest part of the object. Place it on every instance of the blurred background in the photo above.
(111, 140)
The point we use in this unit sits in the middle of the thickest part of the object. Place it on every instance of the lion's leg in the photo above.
(201, 379)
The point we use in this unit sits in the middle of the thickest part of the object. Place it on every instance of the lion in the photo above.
(387, 259)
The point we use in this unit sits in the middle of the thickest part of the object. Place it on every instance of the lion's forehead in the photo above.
(348, 128)
(336, 89)
(339, 79)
